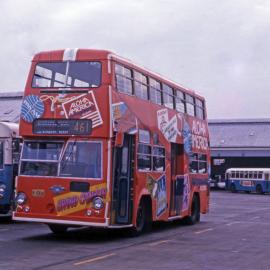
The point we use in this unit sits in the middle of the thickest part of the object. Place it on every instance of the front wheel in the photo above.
(143, 219)
(57, 228)
(195, 211)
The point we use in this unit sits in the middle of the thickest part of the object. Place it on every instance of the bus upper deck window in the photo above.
(190, 105)
(199, 108)
(180, 101)
(140, 85)
(167, 96)
(123, 79)
(77, 74)
(155, 91)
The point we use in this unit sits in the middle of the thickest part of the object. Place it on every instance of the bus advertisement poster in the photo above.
(161, 195)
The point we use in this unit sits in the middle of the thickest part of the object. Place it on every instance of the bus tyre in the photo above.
(233, 188)
(259, 189)
(143, 218)
(195, 211)
(57, 228)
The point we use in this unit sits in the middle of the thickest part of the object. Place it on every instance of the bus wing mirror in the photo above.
(119, 140)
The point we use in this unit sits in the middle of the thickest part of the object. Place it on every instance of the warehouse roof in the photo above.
(239, 133)
(10, 106)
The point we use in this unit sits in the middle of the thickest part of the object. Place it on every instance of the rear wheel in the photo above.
(233, 188)
(259, 189)
(195, 211)
(57, 228)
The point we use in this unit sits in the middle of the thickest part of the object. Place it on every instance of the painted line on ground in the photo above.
(203, 231)
(94, 259)
(232, 223)
(158, 243)
(255, 218)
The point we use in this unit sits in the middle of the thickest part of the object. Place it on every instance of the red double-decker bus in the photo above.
(109, 144)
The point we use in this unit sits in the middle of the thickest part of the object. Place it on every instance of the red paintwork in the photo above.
(141, 114)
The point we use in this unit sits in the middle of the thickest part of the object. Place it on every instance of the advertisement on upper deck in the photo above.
(193, 131)
(60, 106)
(199, 135)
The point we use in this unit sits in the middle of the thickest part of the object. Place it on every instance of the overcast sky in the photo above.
(220, 49)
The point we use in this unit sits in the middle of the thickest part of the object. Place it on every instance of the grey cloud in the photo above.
(218, 48)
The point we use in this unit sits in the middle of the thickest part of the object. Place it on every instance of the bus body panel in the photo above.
(6, 178)
(46, 200)
(9, 156)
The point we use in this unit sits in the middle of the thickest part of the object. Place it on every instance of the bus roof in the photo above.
(83, 55)
(8, 129)
(248, 169)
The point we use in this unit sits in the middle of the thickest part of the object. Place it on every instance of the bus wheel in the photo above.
(233, 188)
(57, 228)
(143, 219)
(259, 189)
(195, 211)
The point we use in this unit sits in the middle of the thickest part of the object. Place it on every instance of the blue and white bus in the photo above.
(10, 144)
(248, 180)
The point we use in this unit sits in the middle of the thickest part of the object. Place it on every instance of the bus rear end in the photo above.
(64, 172)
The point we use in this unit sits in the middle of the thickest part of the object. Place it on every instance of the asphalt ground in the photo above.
(234, 235)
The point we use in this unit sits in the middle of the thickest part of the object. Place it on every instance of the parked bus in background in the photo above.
(109, 144)
(9, 159)
(248, 179)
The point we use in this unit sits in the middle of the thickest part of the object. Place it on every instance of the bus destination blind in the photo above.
(62, 126)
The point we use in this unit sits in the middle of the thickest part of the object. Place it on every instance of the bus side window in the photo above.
(260, 175)
(266, 176)
(123, 79)
(167, 96)
(180, 101)
(155, 91)
(140, 85)
(190, 105)
(199, 108)
(144, 159)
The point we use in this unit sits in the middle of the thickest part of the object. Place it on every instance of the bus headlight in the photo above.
(20, 198)
(98, 203)
(2, 190)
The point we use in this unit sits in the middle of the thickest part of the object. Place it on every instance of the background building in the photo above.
(10, 106)
(239, 143)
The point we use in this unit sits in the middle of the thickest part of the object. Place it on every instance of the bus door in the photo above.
(123, 181)
(177, 178)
